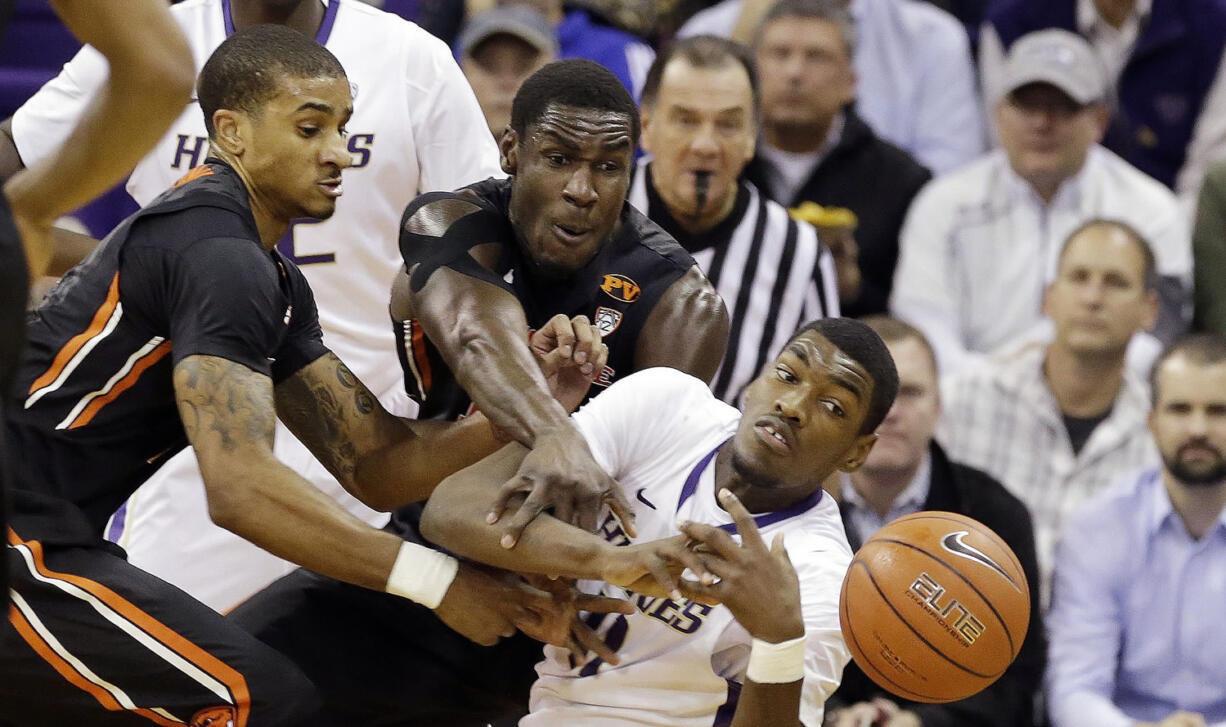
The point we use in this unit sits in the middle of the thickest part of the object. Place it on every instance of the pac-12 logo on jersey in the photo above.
(607, 320)
(619, 287)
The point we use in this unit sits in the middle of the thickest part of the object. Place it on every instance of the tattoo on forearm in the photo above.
(325, 405)
(362, 398)
(225, 398)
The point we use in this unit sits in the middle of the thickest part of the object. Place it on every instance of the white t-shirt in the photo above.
(680, 661)
(413, 112)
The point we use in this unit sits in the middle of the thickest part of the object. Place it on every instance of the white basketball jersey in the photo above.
(416, 127)
(657, 432)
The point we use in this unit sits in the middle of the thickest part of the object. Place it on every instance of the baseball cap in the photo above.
(516, 20)
(1063, 59)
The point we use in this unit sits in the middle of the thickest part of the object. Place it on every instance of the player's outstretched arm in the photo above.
(456, 518)
(228, 412)
(775, 677)
(381, 459)
(686, 330)
(150, 82)
(481, 331)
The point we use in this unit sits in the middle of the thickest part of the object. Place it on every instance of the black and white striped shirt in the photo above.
(770, 269)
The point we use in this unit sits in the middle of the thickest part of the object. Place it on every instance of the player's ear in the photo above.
(508, 150)
(228, 131)
(858, 452)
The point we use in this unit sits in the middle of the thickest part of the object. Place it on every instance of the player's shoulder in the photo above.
(362, 23)
(643, 233)
(432, 214)
(668, 383)
(816, 540)
(666, 392)
(210, 202)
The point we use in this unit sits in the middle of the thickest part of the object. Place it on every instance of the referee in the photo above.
(700, 123)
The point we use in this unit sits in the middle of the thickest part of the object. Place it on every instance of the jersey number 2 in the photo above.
(286, 245)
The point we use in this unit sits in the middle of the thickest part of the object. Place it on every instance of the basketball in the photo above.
(934, 607)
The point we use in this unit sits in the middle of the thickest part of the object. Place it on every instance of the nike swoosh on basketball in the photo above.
(953, 543)
(639, 496)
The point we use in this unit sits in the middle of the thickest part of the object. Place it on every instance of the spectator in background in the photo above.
(1057, 424)
(581, 35)
(1164, 59)
(699, 122)
(907, 471)
(1209, 254)
(915, 74)
(498, 49)
(1137, 624)
(816, 148)
(979, 244)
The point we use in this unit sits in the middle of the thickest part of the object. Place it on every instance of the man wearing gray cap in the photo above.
(979, 243)
(498, 49)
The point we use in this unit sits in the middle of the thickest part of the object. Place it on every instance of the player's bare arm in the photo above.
(482, 333)
(381, 459)
(746, 571)
(455, 519)
(687, 330)
(227, 411)
(149, 60)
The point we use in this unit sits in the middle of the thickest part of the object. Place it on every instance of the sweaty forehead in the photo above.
(822, 356)
(332, 92)
(577, 125)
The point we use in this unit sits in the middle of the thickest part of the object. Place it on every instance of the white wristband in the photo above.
(776, 663)
(421, 574)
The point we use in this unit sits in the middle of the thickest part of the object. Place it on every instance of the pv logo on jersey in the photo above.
(607, 320)
(619, 287)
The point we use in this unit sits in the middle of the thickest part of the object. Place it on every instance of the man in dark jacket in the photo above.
(815, 148)
(906, 472)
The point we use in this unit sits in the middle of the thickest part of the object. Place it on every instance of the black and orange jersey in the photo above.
(616, 290)
(93, 411)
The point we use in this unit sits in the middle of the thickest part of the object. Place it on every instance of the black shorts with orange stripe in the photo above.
(91, 639)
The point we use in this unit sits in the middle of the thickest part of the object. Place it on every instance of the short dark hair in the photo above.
(701, 51)
(573, 82)
(245, 70)
(1149, 271)
(831, 11)
(1203, 349)
(865, 347)
(893, 330)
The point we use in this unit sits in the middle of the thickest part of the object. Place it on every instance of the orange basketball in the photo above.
(934, 607)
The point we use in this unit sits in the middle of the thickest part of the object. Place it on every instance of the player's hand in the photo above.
(655, 568)
(747, 571)
(561, 625)
(560, 474)
(481, 607)
(571, 356)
